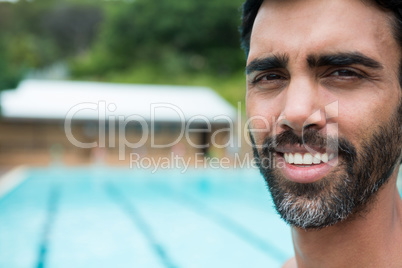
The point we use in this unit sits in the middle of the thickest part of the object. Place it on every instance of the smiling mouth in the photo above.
(300, 166)
(307, 158)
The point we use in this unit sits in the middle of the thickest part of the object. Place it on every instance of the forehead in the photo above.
(303, 27)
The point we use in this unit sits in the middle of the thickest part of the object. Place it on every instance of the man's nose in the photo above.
(301, 106)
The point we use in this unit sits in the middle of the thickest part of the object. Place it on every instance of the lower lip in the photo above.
(304, 173)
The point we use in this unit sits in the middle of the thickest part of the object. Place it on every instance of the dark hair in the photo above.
(251, 7)
(249, 12)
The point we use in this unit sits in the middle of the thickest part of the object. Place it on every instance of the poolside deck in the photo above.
(97, 217)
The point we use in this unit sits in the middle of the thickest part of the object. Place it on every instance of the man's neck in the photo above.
(373, 239)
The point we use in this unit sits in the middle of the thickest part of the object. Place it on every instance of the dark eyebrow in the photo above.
(272, 62)
(343, 59)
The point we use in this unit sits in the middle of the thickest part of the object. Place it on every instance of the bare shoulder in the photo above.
(291, 263)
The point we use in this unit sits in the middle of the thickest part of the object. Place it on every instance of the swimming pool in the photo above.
(112, 217)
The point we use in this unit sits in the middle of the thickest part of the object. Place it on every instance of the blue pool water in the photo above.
(110, 217)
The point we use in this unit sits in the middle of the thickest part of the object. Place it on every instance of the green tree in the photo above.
(173, 36)
(35, 34)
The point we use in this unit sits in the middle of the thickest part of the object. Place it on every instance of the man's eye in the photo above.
(346, 73)
(269, 77)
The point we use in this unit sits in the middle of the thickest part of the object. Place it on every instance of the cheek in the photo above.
(359, 119)
(261, 116)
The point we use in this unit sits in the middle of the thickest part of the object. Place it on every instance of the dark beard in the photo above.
(349, 187)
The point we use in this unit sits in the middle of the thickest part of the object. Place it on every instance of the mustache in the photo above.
(311, 138)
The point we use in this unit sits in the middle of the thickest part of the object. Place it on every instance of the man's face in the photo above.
(324, 101)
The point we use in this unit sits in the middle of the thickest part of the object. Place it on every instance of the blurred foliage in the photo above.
(143, 41)
(36, 34)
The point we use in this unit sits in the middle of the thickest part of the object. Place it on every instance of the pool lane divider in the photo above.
(231, 225)
(12, 179)
(130, 209)
(52, 208)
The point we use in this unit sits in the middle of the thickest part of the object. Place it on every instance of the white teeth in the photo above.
(324, 158)
(291, 159)
(317, 158)
(307, 159)
(298, 159)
